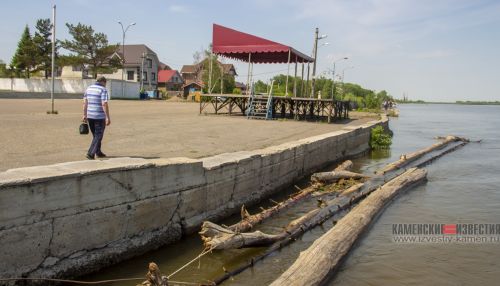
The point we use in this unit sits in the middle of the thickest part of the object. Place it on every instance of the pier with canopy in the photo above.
(236, 45)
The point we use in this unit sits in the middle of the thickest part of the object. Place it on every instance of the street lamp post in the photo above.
(333, 74)
(124, 30)
(315, 55)
(143, 56)
(343, 90)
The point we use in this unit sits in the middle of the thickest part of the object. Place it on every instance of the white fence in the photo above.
(130, 89)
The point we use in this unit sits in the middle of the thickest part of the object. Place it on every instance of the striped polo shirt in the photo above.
(96, 94)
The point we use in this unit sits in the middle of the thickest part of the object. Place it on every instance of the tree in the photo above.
(4, 72)
(216, 74)
(90, 48)
(24, 59)
(197, 57)
(228, 81)
(279, 85)
(324, 85)
(43, 45)
(260, 87)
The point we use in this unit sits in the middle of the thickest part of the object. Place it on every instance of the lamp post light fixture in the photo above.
(124, 30)
(343, 90)
(333, 73)
(317, 37)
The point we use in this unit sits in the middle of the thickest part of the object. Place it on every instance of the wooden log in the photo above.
(303, 224)
(249, 221)
(218, 237)
(352, 189)
(345, 166)
(334, 176)
(291, 237)
(341, 172)
(316, 263)
(411, 157)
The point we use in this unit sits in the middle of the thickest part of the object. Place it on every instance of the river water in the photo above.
(462, 187)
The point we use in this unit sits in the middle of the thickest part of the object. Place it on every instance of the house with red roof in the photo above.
(171, 80)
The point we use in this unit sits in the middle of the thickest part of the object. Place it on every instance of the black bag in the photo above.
(84, 128)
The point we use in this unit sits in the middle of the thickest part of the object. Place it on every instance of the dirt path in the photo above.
(147, 129)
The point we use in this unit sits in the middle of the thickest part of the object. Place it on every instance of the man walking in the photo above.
(96, 113)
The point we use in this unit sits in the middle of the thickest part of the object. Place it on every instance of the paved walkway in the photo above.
(148, 129)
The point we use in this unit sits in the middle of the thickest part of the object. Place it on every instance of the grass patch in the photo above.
(380, 139)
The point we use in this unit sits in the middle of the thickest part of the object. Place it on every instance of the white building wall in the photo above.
(131, 89)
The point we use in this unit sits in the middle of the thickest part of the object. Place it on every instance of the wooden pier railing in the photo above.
(297, 108)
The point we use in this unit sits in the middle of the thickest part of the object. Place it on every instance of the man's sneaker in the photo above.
(90, 157)
(100, 155)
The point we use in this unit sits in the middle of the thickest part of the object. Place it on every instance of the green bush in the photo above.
(380, 139)
(236, 90)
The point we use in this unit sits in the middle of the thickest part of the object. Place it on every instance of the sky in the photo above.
(433, 50)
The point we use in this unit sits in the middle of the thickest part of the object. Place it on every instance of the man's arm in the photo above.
(104, 102)
(106, 111)
(85, 104)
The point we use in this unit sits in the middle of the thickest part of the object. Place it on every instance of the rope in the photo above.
(71, 281)
(204, 252)
(89, 282)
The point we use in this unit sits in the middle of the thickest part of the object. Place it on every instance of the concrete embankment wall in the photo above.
(73, 218)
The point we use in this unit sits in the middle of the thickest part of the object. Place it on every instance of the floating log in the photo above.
(341, 172)
(437, 156)
(345, 166)
(218, 237)
(334, 176)
(352, 189)
(316, 263)
(408, 158)
(346, 203)
(249, 221)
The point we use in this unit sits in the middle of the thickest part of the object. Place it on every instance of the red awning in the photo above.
(237, 45)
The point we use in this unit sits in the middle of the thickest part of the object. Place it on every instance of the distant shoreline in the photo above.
(456, 102)
(478, 102)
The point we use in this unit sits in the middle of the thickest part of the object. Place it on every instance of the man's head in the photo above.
(101, 80)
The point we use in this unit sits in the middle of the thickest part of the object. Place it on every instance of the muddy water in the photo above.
(463, 187)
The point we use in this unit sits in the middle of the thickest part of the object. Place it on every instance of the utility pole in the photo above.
(52, 111)
(315, 55)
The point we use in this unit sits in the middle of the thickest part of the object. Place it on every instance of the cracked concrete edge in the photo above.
(38, 174)
(85, 261)
(88, 261)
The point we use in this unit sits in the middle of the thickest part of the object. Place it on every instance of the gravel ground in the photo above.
(147, 129)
